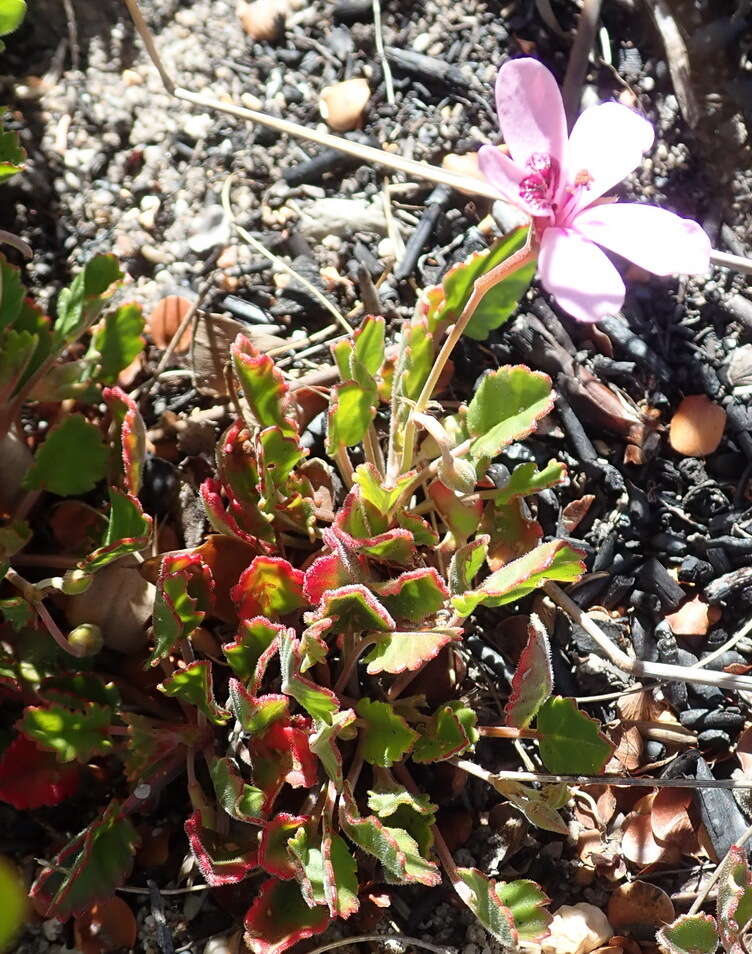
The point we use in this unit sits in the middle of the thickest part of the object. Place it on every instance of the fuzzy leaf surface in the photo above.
(506, 407)
(405, 652)
(270, 587)
(451, 731)
(80, 303)
(280, 917)
(533, 680)
(527, 903)
(73, 735)
(387, 737)
(689, 934)
(119, 341)
(72, 459)
(480, 895)
(570, 741)
(193, 686)
(31, 777)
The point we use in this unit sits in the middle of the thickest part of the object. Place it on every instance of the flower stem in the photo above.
(507, 732)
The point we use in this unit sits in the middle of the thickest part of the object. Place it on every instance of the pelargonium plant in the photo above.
(333, 592)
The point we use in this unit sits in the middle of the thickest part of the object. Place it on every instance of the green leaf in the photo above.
(689, 934)
(570, 741)
(354, 609)
(734, 904)
(73, 735)
(416, 814)
(12, 156)
(118, 341)
(540, 807)
(16, 351)
(263, 385)
(128, 531)
(13, 537)
(525, 479)
(72, 459)
(526, 901)
(372, 488)
(368, 346)
(12, 13)
(280, 917)
(274, 854)
(253, 638)
(386, 736)
(240, 800)
(90, 867)
(405, 652)
(193, 686)
(554, 560)
(466, 563)
(222, 857)
(533, 680)
(480, 894)
(397, 851)
(280, 454)
(501, 301)
(256, 714)
(318, 702)
(451, 731)
(340, 875)
(460, 515)
(17, 612)
(415, 360)
(506, 407)
(352, 407)
(80, 303)
(308, 861)
(269, 587)
(14, 908)
(12, 291)
(183, 597)
(414, 595)
(323, 743)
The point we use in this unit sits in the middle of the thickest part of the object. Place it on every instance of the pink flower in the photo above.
(559, 182)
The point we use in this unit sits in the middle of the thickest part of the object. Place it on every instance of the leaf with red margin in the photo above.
(263, 384)
(128, 531)
(462, 517)
(280, 917)
(240, 800)
(405, 652)
(394, 546)
(340, 874)
(222, 859)
(507, 406)
(184, 596)
(153, 745)
(480, 894)
(397, 851)
(318, 702)
(194, 687)
(254, 685)
(273, 854)
(269, 587)
(30, 777)
(323, 742)
(90, 867)
(359, 517)
(466, 563)
(256, 713)
(414, 595)
(373, 489)
(511, 530)
(554, 560)
(451, 731)
(252, 640)
(354, 609)
(130, 442)
(527, 902)
(328, 572)
(217, 514)
(282, 754)
(533, 680)
(734, 904)
(422, 531)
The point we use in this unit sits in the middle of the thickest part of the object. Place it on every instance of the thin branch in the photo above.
(579, 56)
(384, 939)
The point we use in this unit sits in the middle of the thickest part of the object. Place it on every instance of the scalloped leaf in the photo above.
(340, 874)
(73, 735)
(193, 686)
(183, 598)
(72, 459)
(526, 479)
(263, 384)
(462, 516)
(222, 859)
(554, 560)
(274, 856)
(526, 901)
(280, 917)
(533, 680)
(506, 407)
(79, 304)
(416, 814)
(352, 407)
(131, 437)
(689, 934)
(307, 861)
(240, 800)
(253, 638)
(451, 731)
(372, 489)
(323, 743)
(31, 777)
(385, 736)
(128, 531)
(90, 867)
(318, 702)
(270, 587)
(397, 851)
(570, 741)
(406, 652)
(256, 713)
(480, 894)
(466, 563)
(354, 609)
(540, 807)
(330, 571)
(118, 341)
(414, 595)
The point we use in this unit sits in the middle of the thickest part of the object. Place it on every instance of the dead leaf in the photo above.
(165, 320)
(210, 350)
(670, 817)
(105, 926)
(693, 618)
(639, 844)
(639, 908)
(576, 929)
(744, 751)
(119, 600)
(697, 426)
(629, 750)
(574, 512)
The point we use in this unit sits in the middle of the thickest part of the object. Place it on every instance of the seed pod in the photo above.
(86, 639)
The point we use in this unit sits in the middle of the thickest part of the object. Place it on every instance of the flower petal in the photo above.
(531, 113)
(655, 239)
(579, 275)
(606, 144)
(504, 175)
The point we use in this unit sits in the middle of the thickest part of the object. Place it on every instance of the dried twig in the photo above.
(383, 939)
(579, 55)
(678, 59)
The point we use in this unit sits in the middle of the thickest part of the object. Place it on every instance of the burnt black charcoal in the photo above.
(719, 812)
(655, 578)
(713, 742)
(643, 640)
(695, 571)
(349, 11)
(730, 583)
(654, 750)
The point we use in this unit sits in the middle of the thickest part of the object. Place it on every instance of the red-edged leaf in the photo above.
(414, 595)
(219, 516)
(340, 874)
(481, 895)
(451, 731)
(273, 855)
(89, 868)
(252, 640)
(30, 777)
(330, 571)
(354, 609)
(184, 595)
(408, 651)
(130, 436)
(240, 800)
(282, 754)
(279, 918)
(460, 516)
(533, 680)
(359, 517)
(153, 745)
(318, 702)
(193, 686)
(221, 859)
(128, 531)
(263, 384)
(269, 587)
(256, 713)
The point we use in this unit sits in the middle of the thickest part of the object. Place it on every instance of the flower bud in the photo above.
(86, 639)
(75, 582)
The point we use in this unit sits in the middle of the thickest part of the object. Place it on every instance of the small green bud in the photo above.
(75, 582)
(86, 639)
